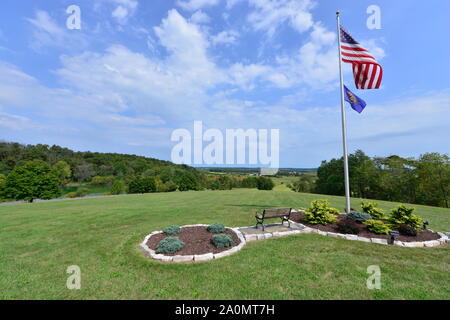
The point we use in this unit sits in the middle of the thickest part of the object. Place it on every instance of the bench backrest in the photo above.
(275, 213)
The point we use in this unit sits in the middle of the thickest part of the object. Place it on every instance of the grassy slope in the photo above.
(38, 242)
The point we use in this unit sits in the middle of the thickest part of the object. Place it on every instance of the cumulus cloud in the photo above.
(199, 17)
(192, 5)
(269, 15)
(124, 10)
(225, 37)
(47, 32)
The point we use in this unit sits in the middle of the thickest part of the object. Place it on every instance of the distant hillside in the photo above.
(85, 165)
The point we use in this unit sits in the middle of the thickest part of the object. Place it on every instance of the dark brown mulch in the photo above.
(197, 240)
(363, 232)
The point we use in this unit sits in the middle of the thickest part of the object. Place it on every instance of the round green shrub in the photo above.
(377, 226)
(359, 216)
(169, 245)
(216, 228)
(405, 215)
(222, 240)
(372, 209)
(172, 230)
(321, 213)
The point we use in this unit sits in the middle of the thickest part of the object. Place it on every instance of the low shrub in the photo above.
(118, 187)
(222, 240)
(347, 226)
(405, 215)
(321, 213)
(71, 195)
(264, 183)
(359, 216)
(81, 192)
(406, 230)
(172, 230)
(372, 209)
(216, 228)
(169, 245)
(377, 226)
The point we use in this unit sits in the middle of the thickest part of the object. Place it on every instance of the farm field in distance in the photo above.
(101, 235)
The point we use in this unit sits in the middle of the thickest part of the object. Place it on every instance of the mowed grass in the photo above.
(281, 183)
(101, 235)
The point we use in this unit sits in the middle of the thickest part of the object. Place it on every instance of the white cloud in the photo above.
(46, 32)
(192, 5)
(232, 3)
(124, 10)
(269, 15)
(225, 37)
(373, 46)
(199, 17)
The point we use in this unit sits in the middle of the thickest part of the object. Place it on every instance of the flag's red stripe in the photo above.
(357, 55)
(372, 77)
(344, 47)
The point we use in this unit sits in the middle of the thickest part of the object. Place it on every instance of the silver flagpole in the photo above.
(344, 124)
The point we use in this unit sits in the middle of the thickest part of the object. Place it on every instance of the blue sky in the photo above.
(137, 70)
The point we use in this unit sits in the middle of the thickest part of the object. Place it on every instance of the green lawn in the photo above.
(281, 183)
(101, 235)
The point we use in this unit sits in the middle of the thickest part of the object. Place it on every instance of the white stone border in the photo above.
(432, 243)
(193, 258)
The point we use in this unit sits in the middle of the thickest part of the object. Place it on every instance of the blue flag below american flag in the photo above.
(367, 72)
(356, 102)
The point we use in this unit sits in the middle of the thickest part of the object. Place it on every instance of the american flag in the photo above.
(367, 71)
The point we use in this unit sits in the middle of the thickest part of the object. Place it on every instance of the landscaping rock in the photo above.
(167, 259)
(364, 239)
(351, 237)
(379, 241)
(222, 254)
(276, 234)
(432, 243)
(158, 256)
(251, 237)
(203, 257)
(268, 236)
(332, 234)
(183, 258)
(398, 243)
(260, 237)
(409, 244)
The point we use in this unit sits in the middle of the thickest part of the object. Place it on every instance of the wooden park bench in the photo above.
(283, 213)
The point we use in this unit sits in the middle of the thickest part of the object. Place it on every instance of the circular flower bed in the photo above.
(198, 244)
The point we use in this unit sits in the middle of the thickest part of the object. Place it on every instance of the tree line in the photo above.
(29, 172)
(425, 180)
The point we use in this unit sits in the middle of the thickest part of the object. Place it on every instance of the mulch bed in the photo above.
(197, 240)
(363, 232)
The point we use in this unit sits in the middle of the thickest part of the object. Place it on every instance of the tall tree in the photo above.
(433, 171)
(34, 180)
